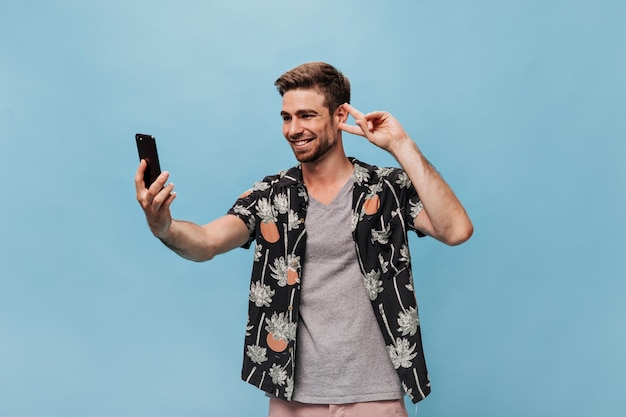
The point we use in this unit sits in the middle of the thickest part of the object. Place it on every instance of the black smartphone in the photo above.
(146, 146)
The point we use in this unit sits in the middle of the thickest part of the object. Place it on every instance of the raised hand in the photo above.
(155, 200)
(379, 127)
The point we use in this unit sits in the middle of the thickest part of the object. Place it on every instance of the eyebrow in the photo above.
(300, 112)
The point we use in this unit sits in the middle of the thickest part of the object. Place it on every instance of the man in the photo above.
(333, 325)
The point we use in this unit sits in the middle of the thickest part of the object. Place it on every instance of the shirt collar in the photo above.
(293, 176)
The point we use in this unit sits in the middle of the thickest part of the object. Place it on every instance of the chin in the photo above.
(313, 155)
(305, 158)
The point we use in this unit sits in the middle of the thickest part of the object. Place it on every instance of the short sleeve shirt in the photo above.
(384, 207)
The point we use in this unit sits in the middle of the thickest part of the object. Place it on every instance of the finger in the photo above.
(353, 111)
(146, 196)
(139, 184)
(366, 126)
(159, 183)
(375, 115)
(357, 115)
(355, 130)
(162, 197)
(168, 201)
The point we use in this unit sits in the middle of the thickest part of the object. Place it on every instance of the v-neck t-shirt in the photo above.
(342, 357)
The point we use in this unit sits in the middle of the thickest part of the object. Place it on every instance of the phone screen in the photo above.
(146, 146)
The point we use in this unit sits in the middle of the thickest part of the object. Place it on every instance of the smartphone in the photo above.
(146, 146)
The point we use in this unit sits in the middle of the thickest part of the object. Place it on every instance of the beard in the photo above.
(312, 155)
(321, 146)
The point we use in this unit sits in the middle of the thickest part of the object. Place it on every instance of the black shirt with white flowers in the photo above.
(384, 208)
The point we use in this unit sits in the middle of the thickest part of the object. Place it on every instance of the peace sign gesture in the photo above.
(379, 127)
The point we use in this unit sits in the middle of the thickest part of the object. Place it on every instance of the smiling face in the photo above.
(308, 125)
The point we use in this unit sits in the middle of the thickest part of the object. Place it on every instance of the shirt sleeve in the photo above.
(245, 209)
(413, 204)
(246, 206)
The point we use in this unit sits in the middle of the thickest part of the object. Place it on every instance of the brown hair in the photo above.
(332, 83)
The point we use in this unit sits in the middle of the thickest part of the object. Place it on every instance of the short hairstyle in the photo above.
(331, 82)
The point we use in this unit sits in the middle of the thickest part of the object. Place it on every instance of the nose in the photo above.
(295, 128)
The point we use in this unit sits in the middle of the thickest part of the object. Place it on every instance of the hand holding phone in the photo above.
(146, 146)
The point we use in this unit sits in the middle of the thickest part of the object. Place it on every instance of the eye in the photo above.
(286, 118)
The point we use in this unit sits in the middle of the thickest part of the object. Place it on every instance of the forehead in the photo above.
(303, 98)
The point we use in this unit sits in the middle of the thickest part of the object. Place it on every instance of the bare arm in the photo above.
(189, 240)
(202, 243)
(443, 217)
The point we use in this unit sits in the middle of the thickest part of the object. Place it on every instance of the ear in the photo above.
(341, 114)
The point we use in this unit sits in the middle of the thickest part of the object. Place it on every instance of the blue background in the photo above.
(520, 104)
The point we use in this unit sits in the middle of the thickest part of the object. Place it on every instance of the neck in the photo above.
(325, 177)
(327, 170)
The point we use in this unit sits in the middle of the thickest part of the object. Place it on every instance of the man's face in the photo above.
(308, 125)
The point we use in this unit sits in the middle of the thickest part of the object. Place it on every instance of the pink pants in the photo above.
(391, 408)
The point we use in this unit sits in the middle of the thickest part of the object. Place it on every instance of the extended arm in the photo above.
(189, 240)
(443, 217)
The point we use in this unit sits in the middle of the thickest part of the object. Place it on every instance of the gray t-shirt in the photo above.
(342, 357)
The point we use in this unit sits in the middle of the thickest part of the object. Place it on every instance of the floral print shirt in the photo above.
(384, 208)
